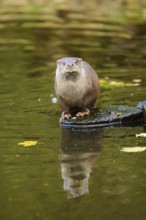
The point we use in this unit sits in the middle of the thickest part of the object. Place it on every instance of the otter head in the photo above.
(69, 67)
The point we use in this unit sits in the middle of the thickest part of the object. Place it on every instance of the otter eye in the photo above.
(63, 63)
(77, 62)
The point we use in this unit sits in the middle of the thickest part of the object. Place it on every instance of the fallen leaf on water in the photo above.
(28, 143)
(137, 80)
(113, 83)
(141, 135)
(124, 35)
(133, 149)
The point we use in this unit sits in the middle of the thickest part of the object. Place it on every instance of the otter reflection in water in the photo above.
(79, 153)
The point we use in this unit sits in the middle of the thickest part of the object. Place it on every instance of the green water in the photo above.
(66, 174)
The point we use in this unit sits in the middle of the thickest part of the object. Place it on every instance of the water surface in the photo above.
(67, 174)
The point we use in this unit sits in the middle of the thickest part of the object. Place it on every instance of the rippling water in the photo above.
(66, 174)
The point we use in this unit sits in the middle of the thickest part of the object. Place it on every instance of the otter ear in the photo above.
(58, 61)
(79, 60)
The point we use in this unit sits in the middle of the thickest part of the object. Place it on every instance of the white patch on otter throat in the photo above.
(72, 91)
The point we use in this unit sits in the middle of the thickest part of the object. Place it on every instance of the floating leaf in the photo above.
(141, 135)
(28, 143)
(125, 35)
(137, 80)
(133, 149)
(115, 83)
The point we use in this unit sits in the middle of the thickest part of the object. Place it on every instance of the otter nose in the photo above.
(70, 64)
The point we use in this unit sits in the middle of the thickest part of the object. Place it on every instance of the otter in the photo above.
(77, 87)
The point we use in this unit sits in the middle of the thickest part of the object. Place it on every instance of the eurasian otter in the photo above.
(77, 87)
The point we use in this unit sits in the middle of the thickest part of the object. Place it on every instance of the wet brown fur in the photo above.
(77, 85)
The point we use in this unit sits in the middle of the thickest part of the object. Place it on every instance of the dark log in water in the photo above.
(110, 116)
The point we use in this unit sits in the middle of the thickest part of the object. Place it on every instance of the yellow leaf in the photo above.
(125, 35)
(141, 135)
(133, 149)
(113, 83)
(28, 143)
(137, 80)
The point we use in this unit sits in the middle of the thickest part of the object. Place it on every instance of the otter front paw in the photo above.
(65, 115)
(83, 113)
